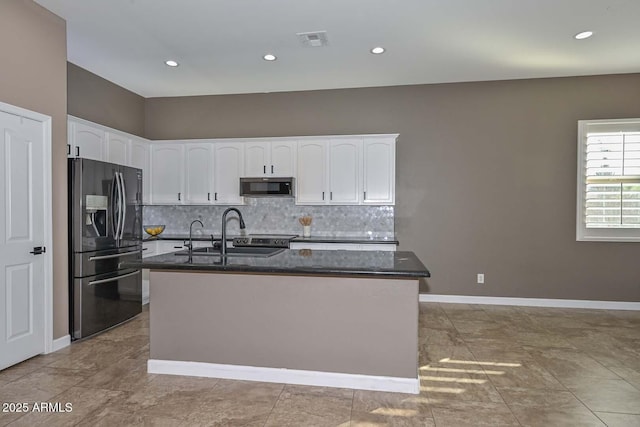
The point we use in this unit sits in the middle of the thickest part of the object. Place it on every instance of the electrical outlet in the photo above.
(480, 278)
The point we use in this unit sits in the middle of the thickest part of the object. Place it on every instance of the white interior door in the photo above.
(22, 278)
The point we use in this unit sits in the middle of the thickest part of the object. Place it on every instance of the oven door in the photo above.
(105, 300)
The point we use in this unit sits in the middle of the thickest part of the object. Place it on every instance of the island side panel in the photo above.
(365, 326)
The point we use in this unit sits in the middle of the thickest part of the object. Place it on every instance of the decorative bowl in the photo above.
(153, 230)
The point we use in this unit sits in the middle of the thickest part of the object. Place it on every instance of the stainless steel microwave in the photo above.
(267, 187)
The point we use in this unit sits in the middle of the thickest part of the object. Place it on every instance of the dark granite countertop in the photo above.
(197, 237)
(364, 239)
(347, 239)
(303, 261)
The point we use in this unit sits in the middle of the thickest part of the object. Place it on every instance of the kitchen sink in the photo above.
(235, 252)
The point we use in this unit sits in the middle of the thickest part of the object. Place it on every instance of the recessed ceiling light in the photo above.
(269, 57)
(171, 63)
(583, 35)
(377, 50)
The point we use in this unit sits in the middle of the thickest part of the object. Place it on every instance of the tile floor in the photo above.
(479, 366)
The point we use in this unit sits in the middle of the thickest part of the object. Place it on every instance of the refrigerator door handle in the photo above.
(98, 258)
(115, 225)
(123, 194)
(113, 279)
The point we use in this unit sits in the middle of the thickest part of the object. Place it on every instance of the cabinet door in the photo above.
(140, 158)
(256, 159)
(345, 184)
(311, 183)
(379, 171)
(117, 148)
(167, 164)
(283, 158)
(228, 168)
(88, 142)
(198, 173)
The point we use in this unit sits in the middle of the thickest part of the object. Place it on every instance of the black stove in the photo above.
(265, 240)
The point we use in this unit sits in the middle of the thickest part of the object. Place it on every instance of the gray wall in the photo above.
(34, 76)
(486, 172)
(93, 98)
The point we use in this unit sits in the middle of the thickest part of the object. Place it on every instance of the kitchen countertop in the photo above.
(355, 239)
(303, 261)
(364, 239)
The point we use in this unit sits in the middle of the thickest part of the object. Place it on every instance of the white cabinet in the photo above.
(167, 173)
(311, 180)
(117, 148)
(139, 157)
(379, 161)
(198, 173)
(228, 168)
(85, 141)
(345, 171)
(270, 158)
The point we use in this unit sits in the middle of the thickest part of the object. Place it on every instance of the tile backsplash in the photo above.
(277, 216)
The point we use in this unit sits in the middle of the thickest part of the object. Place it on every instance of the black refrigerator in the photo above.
(105, 228)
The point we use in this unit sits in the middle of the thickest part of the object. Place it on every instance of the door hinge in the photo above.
(38, 250)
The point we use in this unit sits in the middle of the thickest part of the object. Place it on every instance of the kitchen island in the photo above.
(329, 318)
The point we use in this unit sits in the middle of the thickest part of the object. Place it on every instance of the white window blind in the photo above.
(609, 180)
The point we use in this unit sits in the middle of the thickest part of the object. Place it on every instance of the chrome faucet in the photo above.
(190, 245)
(223, 246)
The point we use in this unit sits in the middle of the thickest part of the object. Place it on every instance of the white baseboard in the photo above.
(287, 376)
(532, 302)
(60, 343)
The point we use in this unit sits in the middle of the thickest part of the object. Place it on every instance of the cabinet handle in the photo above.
(264, 169)
(68, 149)
(271, 168)
(215, 196)
(365, 195)
(323, 195)
(179, 195)
(77, 151)
(209, 196)
(330, 195)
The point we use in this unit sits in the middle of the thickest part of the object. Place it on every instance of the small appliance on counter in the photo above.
(105, 228)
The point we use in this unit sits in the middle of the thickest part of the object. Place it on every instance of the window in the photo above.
(609, 180)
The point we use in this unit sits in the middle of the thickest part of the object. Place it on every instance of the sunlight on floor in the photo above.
(395, 412)
(461, 371)
(454, 380)
(472, 362)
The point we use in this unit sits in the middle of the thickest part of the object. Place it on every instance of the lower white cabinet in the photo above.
(344, 246)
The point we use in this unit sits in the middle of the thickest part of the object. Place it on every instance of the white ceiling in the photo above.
(220, 43)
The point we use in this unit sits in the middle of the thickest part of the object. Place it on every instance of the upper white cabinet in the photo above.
(167, 172)
(345, 171)
(270, 158)
(139, 157)
(379, 162)
(311, 180)
(117, 148)
(228, 168)
(329, 170)
(198, 173)
(85, 141)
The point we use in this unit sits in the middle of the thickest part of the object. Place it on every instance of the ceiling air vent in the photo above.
(313, 39)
